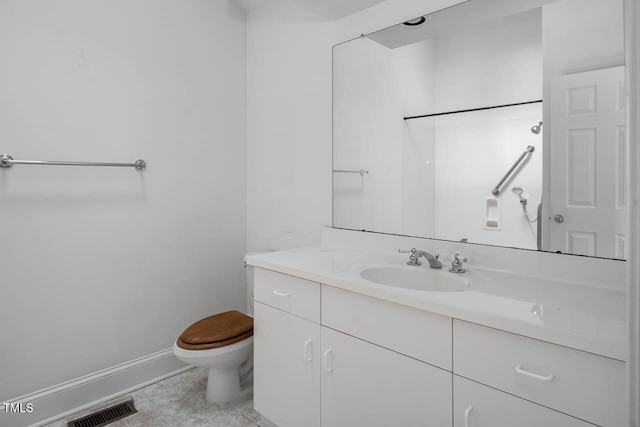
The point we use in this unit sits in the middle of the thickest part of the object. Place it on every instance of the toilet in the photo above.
(223, 343)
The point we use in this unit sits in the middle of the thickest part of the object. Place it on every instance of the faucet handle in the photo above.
(414, 257)
(456, 265)
(406, 251)
(415, 251)
(456, 258)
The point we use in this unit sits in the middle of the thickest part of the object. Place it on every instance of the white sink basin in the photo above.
(417, 278)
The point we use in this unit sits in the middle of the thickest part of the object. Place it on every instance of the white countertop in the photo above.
(576, 315)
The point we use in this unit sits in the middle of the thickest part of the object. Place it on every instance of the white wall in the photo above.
(100, 266)
(289, 114)
(288, 126)
(493, 64)
(473, 153)
(367, 124)
(415, 83)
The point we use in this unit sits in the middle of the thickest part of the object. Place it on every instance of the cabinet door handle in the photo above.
(466, 415)
(308, 356)
(281, 294)
(328, 361)
(521, 371)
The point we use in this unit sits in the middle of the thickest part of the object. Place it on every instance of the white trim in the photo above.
(62, 400)
(597, 64)
(632, 59)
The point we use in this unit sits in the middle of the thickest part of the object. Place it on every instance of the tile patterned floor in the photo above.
(180, 401)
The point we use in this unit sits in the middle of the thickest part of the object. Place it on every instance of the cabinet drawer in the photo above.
(422, 335)
(581, 384)
(288, 293)
(481, 406)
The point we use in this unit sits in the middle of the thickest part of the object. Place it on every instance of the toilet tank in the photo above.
(249, 273)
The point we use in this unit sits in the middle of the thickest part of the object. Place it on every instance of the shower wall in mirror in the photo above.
(494, 121)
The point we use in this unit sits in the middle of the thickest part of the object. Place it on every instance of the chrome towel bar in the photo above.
(362, 172)
(529, 149)
(6, 161)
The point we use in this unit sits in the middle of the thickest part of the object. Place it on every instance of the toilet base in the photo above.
(223, 386)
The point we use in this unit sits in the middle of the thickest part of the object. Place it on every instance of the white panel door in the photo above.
(286, 368)
(587, 170)
(367, 385)
(476, 405)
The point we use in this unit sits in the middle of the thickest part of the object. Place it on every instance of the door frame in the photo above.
(632, 77)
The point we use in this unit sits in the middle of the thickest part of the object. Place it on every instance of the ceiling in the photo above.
(336, 9)
(330, 9)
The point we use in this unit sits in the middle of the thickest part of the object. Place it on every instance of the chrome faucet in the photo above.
(415, 257)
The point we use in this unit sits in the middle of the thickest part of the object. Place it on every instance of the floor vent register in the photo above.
(106, 415)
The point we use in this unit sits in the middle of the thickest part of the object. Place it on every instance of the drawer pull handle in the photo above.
(521, 371)
(328, 363)
(466, 415)
(281, 294)
(308, 357)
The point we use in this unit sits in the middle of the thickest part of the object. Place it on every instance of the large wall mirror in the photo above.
(499, 122)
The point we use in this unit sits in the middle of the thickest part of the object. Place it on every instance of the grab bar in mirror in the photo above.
(539, 228)
(6, 161)
(529, 149)
(362, 172)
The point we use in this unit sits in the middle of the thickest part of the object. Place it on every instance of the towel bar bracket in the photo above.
(6, 161)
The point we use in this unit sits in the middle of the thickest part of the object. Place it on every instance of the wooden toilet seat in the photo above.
(216, 331)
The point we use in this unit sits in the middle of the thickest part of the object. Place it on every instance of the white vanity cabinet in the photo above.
(287, 349)
(373, 375)
(574, 382)
(330, 357)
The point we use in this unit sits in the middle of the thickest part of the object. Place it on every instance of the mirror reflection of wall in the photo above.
(401, 102)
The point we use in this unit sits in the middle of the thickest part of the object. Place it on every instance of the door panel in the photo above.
(587, 202)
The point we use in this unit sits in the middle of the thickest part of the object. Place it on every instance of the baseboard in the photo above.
(60, 401)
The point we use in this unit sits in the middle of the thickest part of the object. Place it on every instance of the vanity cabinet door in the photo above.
(286, 368)
(574, 382)
(367, 385)
(475, 405)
